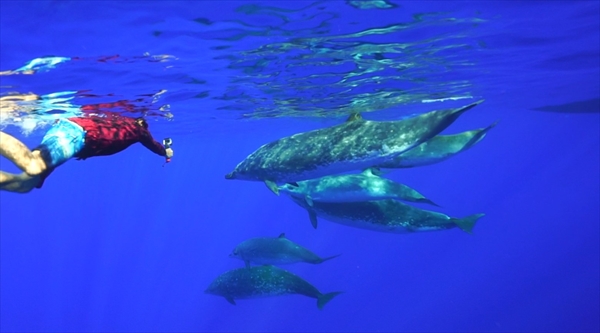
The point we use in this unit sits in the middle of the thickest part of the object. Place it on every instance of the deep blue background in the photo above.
(121, 243)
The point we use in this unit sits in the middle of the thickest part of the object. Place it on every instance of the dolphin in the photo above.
(274, 251)
(437, 149)
(364, 186)
(264, 281)
(389, 216)
(356, 144)
(583, 106)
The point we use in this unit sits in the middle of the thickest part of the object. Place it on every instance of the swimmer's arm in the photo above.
(153, 145)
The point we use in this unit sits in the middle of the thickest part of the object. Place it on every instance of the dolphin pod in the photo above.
(356, 144)
(312, 168)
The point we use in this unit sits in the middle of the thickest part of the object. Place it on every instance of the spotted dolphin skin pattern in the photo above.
(437, 149)
(353, 145)
(363, 186)
(264, 281)
(389, 216)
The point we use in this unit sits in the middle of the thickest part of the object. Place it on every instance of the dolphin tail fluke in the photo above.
(467, 223)
(325, 298)
(321, 260)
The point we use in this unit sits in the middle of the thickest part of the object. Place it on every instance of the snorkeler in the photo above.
(79, 137)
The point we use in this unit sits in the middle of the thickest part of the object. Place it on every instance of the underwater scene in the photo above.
(299, 166)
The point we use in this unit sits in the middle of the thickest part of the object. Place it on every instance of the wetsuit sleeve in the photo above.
(152, 144)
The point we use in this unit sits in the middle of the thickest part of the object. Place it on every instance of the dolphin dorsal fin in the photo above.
(354, 116)
(372, 171)
(282, 235)
(368, 172)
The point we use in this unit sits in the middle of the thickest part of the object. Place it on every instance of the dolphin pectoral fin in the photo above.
(309, 200)
(272, 186)
(313, 218)
(432, 203)
(427, 201)
(406, 193)
(325, 298)
(230, 300)
(466, 224)
(327, 258)
(247, 263)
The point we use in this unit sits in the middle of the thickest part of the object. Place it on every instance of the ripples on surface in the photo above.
(275, 62)
(311, 70)
(300, 58)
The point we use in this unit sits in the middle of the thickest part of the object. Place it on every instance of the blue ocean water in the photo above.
(126, 243)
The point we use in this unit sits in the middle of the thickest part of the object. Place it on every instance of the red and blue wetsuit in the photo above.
(110, 135)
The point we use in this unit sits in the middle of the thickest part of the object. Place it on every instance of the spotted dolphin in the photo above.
(274, 251)
(264, 281)
(437, 149)
(356, 144)
(385, 216)
(363, 186)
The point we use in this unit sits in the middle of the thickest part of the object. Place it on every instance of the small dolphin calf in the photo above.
(356, 144)
(437, 149)
(364, 186)
(264, 281)
(274, 251)
(386, 216)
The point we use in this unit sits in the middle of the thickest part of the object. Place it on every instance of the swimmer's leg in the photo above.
(22, 183)
(30, 162)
